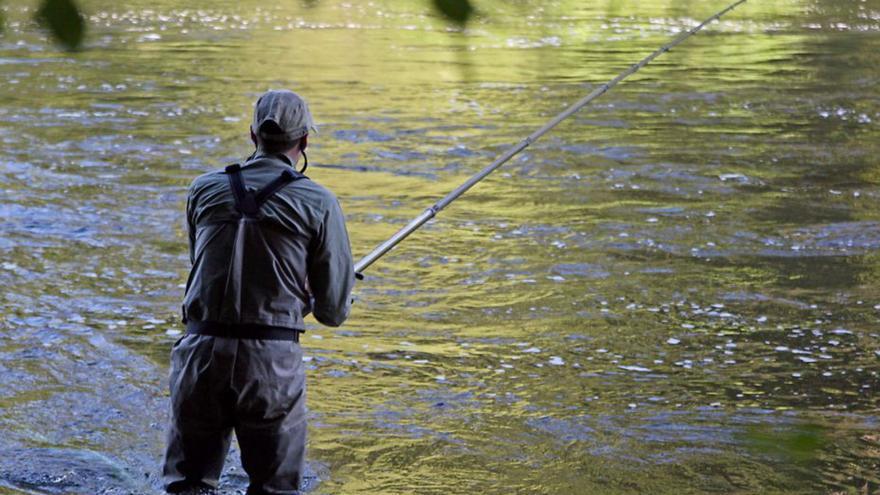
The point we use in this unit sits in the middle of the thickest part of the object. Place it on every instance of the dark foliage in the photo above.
(458, 11)
(64, 21)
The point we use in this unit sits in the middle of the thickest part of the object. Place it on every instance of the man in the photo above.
(267, 247)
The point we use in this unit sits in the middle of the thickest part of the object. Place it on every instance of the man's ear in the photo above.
(253, 137)
(303, 142)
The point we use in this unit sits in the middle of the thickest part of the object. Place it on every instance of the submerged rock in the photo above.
(66, 471)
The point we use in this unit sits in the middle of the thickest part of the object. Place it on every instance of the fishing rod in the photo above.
(432, 211)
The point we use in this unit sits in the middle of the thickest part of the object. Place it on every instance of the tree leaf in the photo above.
(458, 11)
(64, 21)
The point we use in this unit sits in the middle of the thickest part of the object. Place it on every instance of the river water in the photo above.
(676, 291)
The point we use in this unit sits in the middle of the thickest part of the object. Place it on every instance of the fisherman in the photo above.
(267, 246)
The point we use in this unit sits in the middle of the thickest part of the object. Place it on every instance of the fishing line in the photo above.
(432, 211)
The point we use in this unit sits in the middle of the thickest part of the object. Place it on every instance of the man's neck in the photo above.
(292, 155)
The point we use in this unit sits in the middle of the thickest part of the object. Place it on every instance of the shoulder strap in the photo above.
(276, 185)
(249, 203)
(244, 201)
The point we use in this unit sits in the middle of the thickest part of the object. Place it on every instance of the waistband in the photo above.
(242, 331)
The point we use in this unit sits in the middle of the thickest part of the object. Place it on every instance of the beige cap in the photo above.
(281, 116)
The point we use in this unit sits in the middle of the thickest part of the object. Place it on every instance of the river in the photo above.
(675, 291)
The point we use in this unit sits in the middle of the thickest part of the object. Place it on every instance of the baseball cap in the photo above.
(281, 116)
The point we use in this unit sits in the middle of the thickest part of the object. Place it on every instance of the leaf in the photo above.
(64, 21)
(458, 11)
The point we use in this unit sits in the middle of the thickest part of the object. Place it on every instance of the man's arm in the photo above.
(190, 224)
(331, 268)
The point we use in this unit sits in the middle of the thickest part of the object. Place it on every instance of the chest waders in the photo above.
(255, 388)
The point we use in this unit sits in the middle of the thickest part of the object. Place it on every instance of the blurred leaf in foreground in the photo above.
(458, 11)
(64, 21)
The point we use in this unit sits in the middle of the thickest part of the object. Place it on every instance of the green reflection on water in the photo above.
(689, 260)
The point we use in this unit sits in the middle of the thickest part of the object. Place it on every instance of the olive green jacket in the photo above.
(264, 270)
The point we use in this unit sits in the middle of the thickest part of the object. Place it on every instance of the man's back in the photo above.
(254, 270)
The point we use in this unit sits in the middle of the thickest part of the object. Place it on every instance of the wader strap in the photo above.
(249, 203)
(242, 331)
(276, 185)
(244, 201)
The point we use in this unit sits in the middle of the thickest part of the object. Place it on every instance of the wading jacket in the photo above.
(254, 270)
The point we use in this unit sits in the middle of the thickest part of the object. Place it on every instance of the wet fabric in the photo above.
(252, 387)
(258, 269)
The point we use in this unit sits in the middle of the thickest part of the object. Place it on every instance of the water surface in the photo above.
(673, 292)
